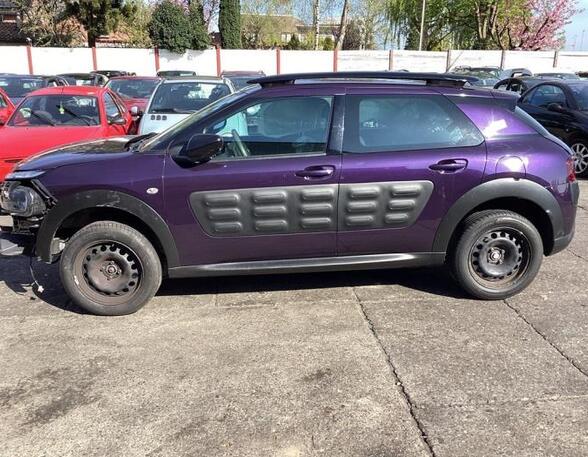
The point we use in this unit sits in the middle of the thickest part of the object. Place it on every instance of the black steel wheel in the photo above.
(109, 268)
(497, 255)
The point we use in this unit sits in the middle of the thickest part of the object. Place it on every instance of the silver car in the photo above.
(177, 98)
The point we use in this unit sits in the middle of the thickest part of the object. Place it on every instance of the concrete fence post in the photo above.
(390, 60)
(219, 69)
(335, 59)
(278, 61)
(448, 60)
(30, 59)
(555, 58)
(94, 58)
(502, 58)
(156, 56)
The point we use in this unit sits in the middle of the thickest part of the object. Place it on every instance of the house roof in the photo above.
(10, 31)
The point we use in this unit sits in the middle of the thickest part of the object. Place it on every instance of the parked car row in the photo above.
(68, 108)
(308, 172)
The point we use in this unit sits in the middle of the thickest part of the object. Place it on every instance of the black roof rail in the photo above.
(432, 79)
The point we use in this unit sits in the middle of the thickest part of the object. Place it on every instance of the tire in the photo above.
(497, 255)
(110, 269)
(579, 147)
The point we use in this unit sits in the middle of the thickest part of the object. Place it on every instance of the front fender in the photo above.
(491, 190)
(72, 204)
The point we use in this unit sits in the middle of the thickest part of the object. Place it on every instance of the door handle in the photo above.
(449, 165)
(316, 172)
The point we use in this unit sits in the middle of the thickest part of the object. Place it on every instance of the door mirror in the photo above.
(135, 111)
(557, 108)
(201, 148)
(118, 120)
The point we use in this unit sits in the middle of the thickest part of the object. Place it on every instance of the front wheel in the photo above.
(109, 268)
(497, 255)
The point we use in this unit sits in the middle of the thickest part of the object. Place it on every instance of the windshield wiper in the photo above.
(46, 120)
(74, 115)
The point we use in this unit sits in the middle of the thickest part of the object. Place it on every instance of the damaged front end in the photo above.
(24, 202)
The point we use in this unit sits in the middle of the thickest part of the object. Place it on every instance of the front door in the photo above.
(271, 193)
(406, 158)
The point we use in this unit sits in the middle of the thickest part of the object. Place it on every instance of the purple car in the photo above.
(299, 173)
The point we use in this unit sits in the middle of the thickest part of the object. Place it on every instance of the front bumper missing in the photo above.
(12, 244)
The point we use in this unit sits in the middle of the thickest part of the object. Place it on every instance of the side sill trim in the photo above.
(316, 264)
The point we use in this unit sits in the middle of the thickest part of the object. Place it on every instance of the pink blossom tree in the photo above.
(537, 25)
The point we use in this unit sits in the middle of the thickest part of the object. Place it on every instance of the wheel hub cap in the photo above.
(499, 255)
(580, 157)
(111, 269)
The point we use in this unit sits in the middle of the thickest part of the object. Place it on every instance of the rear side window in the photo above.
(404, 123)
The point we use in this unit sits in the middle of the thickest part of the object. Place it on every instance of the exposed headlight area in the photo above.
(20, 200)
(18, 175)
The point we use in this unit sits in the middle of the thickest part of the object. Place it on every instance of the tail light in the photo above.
(571, 170)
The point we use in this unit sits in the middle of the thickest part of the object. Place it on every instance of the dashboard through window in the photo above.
(405, 122)
(275, 127)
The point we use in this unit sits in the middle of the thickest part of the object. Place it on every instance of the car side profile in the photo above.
(562, 108)
(304, 173)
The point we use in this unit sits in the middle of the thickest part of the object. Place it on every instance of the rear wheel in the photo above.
(497, 255)
(110, 269)
(580, 149)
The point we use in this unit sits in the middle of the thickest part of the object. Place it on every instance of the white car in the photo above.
(177, 98)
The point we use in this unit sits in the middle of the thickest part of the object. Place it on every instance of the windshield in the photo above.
(80, 80)
(186, 96)
(19, 87)
(133, 88)
(159, 141)
(57, 110)
(580, 92)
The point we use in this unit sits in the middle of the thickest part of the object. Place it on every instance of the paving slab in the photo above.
(528, 429)
(454, 352)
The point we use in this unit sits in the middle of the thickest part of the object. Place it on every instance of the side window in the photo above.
(112, 109)
(542, 96)
(405, 122)
(282, 126)
(3, 103)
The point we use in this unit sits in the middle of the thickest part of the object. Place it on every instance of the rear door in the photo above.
(408, 154)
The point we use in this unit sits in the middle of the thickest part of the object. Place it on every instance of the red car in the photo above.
(6, 107)
(134, 90)
(56, 116)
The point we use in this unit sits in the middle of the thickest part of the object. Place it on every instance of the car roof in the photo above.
(192, 79)
(70, 90)
(150, 78)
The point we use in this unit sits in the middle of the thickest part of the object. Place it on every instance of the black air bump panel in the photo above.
(382, 205)
(265, 211)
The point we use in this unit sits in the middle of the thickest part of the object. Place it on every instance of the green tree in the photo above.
(200, 39)
(328, 44)
(135, 24)
(229, 23)
(98, 17)
(170, 27)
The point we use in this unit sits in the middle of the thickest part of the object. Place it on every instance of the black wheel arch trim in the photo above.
(491, 190)
(72, 204)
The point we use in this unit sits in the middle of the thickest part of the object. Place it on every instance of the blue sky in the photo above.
(574, 30)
